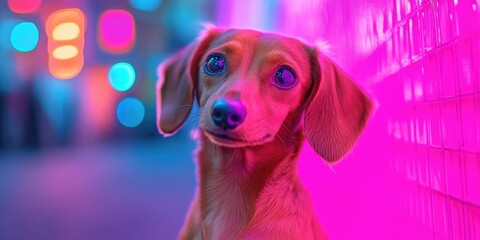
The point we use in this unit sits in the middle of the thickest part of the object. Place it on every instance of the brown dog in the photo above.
(259, 95)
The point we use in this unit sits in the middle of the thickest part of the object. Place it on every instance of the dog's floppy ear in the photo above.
(337, 110)
(176, 84)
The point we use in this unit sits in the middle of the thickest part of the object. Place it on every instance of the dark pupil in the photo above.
(215, 64)
(284, 76)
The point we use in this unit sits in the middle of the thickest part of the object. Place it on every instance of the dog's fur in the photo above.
(249, 187)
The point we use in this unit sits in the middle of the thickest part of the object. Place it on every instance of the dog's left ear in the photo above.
(337, 110)
(176, 84)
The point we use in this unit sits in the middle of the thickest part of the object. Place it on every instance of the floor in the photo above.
(113, 191)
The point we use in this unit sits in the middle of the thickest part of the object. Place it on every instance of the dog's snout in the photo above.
(228, 114)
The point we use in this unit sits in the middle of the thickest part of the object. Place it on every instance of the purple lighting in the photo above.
(82, 159)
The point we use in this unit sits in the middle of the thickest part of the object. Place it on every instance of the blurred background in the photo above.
(80, 156)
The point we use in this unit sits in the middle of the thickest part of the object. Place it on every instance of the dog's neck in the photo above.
(235, 184)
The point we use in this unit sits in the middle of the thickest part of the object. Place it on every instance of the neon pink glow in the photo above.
(415, 172)
(24, 6)
(116, 31)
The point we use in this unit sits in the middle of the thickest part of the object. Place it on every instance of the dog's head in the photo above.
(251, 85)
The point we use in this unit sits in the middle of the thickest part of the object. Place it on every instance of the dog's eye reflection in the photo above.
(215, 64)
(285, 78)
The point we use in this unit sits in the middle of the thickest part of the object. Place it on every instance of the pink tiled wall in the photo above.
(421, 62)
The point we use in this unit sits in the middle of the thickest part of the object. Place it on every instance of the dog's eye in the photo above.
(285, 78)
(215, 64)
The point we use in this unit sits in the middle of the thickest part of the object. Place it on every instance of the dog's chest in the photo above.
(281, 211)
(226, 210)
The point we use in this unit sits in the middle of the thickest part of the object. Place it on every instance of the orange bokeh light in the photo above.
(66, 40)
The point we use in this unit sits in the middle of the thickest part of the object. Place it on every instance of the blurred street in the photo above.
(117, 190)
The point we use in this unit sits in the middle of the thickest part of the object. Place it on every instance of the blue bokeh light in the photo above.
(145, 5)
(122, 76)
(24, 37)
(130, 112)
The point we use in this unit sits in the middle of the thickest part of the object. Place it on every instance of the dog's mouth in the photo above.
(226, 139)
(225, 136)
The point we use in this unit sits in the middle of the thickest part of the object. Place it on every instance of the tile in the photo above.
(429, 28)
(476, 60)
(457, 214)
(411, 166)
(397, 45)
(448, 68)
(421, 123)
(454, 171)
(407, 85)
(418, 76)
(434, 123)
(402, 162)
(416, 209)
(472, 177)
(465, 55)
(406, 128)
(451, 126)
(444, 21)
(412, 130)
(432, 77)
(426, 218)
(423, 169)
(390, 54)
(441, 220)
(470, 129)
(437, 169)
(473, 222)
(416, 35)
(405, 55)
(466, 16)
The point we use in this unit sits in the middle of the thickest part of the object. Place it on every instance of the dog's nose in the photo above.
(228, 114)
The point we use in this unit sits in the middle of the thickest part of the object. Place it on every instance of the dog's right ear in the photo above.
(176, 84)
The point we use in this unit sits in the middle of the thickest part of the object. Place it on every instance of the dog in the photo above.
(259, 96)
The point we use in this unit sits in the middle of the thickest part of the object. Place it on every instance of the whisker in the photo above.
(286, 128)
(233, 156)
(266, 125)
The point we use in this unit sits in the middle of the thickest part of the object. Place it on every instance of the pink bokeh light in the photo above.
(116, 31)
(24, 6)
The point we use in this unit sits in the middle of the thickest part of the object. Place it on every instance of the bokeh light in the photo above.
(66, 31)
(24, 37)
(98, 113)
(66, 40)
(65, 52)
(122, 76)
(116, 31)
(146, 5)
(130, 112)
(24, 6)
